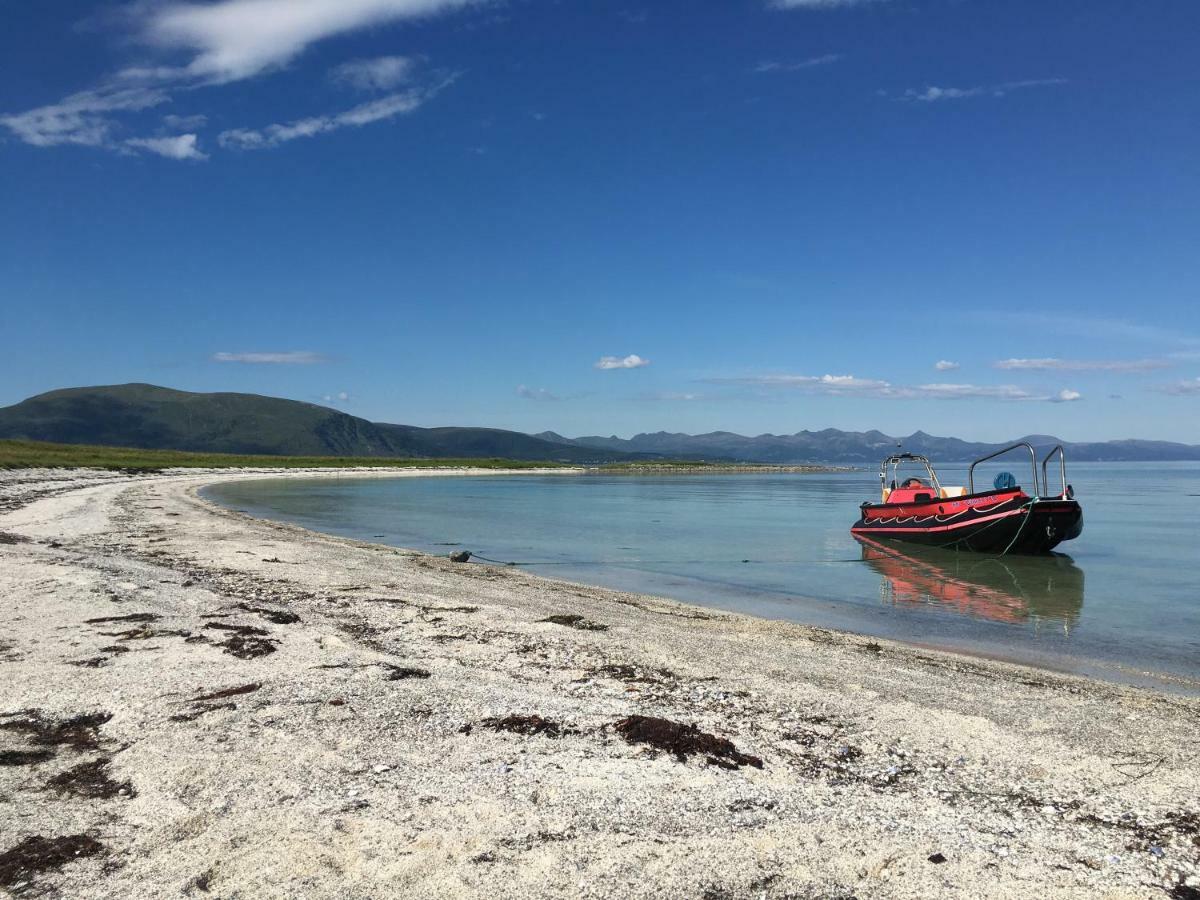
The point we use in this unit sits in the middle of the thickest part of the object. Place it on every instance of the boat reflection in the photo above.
(1013, 589)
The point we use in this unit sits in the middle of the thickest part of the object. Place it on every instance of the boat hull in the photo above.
(997, 522)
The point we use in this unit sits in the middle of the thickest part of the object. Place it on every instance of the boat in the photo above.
(1010, 589)
(1005, 519)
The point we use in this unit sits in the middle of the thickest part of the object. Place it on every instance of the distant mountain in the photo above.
(158, 418)
(143, 415)
(831, 445)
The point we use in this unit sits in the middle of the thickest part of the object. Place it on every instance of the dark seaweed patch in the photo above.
(244, 647)
(24, 757)
(246, 641)
(684, 741)
(145, 633)
(274, 616)
(201, 710)
(527, 725)
(239, 629)
(574, 621)
(132, 617)
(92, 662)
(633, 674)
(38, 854)
(400, 673)
(91, 780)
(227, 692)
(77, 732)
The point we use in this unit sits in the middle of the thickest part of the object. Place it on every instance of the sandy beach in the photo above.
(197, 703)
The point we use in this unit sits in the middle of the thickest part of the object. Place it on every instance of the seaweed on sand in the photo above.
(274, 616)
(24, 757)
(575, 621)
(684, 741)
(78, 732)
(227, 692)
(246, 641)
(38, 854)
(400, 673)
(527, 725)
(91, 780)
(132, 617)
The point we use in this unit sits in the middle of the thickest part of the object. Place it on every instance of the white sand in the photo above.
(330, 780)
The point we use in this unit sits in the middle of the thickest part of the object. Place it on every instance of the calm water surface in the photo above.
(1120, 602)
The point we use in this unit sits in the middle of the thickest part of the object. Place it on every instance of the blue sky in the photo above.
(600, 217)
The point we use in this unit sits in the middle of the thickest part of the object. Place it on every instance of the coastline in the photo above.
(375, 757)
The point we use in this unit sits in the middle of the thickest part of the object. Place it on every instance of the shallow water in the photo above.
(1120, 602)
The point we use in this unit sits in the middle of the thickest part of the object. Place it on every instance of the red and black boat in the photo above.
(1006, 519)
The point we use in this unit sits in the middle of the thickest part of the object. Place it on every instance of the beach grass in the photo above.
(36, 454)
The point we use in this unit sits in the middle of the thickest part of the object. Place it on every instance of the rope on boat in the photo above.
(1028, 507)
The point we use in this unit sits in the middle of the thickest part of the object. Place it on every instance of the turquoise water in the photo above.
(1122, 601)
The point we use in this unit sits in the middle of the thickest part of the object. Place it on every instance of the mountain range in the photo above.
(152, 417)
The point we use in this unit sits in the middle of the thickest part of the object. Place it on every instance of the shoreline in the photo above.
(377, 754)
(1097, 668)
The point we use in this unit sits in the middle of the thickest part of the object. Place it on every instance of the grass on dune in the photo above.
(35, 454)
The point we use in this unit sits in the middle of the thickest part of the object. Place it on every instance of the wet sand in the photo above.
(197, 703)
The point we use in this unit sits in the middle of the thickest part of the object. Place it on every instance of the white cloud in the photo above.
(291, 357)
(182, 146)
(235, 39)
(380, 74)
(83, 118)
(1066, 396)
(1052, 364)
(632, 361)
(364, 114)
(945, 365)
(536, 393)
(771, 65)
(933, 94)
(339, 397)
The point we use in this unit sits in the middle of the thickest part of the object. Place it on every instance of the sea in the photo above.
(1121, 602)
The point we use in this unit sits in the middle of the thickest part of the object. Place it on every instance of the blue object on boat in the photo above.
(1004, 481)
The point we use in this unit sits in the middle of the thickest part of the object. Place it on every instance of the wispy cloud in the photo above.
(853, 386)
(771, 65)
(945, 365)
(1052, 364)
(671, 396)
(339, 397)
(540, 394)
(632, 361)
(817, 4)
(1066, 396)
(185, 123)
(1186, 388)
(288, 358)
(931, 94)
(223, 42)
(379, 110)
(83, 119)
(380, 74)
(181, 146)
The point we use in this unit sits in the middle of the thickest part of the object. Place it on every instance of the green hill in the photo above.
(157, 418)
